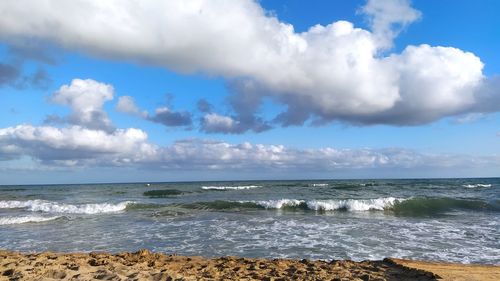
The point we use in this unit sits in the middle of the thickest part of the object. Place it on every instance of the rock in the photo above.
(99, 262)
(72, 266)
(8, 272)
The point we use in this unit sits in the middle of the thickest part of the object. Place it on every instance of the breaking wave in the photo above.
(332, 205)
(239, 187)
(397, 206)
(476, 185)
(26, 219)
(54, 207)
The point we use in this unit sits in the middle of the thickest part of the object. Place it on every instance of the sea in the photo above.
(452, 220)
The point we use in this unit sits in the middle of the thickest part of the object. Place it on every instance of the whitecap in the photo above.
(278, 204)
(239, 187)
(332, 205)
(353, 204)
(55, 207)
(476, 185)
(26, 219)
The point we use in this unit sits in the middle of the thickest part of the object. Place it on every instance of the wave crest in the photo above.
(26, 219)
(476, 185)
(332, 205)
(239, 187)
(54, 207)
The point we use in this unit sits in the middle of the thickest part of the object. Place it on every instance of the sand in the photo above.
(144, 265)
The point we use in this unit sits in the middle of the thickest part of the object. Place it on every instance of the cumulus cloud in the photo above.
(170, 118)
(163, 115)
(78, 146)
(75, 144)
(215, 123)
(86, 99)
(389, 17)
(327, 73)
(126, 104)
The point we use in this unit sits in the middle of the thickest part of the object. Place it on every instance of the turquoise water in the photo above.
(444, 220)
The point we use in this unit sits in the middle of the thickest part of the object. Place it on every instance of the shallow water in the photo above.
(445, 220)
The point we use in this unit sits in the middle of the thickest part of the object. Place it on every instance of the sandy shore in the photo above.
(144, 265)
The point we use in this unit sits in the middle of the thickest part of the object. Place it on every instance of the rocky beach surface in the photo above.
(145, 265)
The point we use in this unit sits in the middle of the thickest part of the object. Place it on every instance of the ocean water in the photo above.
(456, 220)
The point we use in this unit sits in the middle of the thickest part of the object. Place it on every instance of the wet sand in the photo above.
(144, 265)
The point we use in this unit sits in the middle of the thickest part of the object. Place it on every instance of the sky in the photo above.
(141, 91)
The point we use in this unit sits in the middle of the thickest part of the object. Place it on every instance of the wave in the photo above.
(26, 219)
(296, 204)
(348, 185)
(396, 206)
(433, 206)
(143, 206)
(332, 205)
(319, 184)
(54, 207)
(219, 205)
(162, 193)
(476, 185)
(239, 187)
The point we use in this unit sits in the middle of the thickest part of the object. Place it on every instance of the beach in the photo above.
(423, 229)
(145, 265)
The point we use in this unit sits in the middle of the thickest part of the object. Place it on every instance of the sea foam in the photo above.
(476, 185)
(240, 187)
(54, 207)
(332, 205)
(26, 219)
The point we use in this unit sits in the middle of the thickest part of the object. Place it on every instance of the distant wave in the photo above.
(26, 219)
(161, 193)
(55, 207)
(476, 185)
(239, 187)
(318, 184)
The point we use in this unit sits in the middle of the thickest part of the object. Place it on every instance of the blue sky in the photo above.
(358, 98)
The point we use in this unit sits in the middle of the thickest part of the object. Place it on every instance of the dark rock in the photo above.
(8, 272)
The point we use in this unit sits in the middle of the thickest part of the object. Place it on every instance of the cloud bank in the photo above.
(77, 146)
(336, 72)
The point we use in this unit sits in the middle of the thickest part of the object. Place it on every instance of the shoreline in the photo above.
(145, 265)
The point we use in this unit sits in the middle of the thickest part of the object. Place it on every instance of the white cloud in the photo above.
(388, 17)
(214, 123)
(86, 99)
(126, 104)
(332, 72)
(469, 118)
(75, 146)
